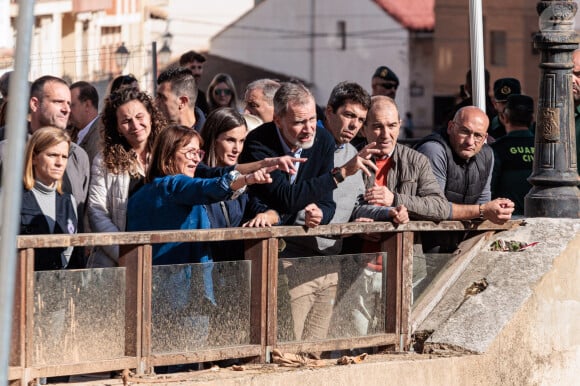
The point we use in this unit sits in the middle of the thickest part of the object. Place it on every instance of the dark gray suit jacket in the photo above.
(91, 142)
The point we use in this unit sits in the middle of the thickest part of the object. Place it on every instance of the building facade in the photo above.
(328, 41)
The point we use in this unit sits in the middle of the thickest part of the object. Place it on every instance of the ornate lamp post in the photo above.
(554, 178)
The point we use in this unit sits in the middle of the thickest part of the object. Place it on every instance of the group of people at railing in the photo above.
(139, 165)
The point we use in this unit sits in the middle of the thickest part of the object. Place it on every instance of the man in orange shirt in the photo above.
(403, 177)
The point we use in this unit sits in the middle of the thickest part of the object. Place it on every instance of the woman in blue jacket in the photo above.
(173, 199)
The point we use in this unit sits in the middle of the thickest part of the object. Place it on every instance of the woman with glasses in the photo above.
(131, 123)
(173, 199)
(223, 134)
(221, 92)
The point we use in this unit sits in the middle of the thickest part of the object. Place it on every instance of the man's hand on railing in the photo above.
(400, 215)
(497, 211)
(313, 215)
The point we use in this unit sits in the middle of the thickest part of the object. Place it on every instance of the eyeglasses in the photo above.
(192, 153)
(464, 133)
(225, 92)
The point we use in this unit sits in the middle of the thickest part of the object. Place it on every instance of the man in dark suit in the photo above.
(84, 117)
(312, 288)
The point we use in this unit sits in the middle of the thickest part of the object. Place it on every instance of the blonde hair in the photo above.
(41, 140)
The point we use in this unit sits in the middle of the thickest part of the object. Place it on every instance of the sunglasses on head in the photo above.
(222, 92)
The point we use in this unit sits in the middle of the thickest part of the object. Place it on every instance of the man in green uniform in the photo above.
(514, 152)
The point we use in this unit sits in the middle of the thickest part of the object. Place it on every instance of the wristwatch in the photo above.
(234, 175)
(337, 174)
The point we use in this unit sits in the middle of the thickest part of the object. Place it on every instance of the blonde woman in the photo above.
(221, 92)
(46, 209)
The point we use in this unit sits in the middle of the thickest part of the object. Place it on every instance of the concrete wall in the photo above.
(194, 22)
(518, 18)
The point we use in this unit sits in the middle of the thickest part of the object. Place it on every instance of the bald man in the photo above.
(462, 163)
(403, 177)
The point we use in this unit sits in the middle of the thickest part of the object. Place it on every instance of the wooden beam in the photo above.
(131, 257)
(82, 367)
(151, 237)
(207, 355)
(339, 344)
(29, 308)
(17, 358)
(147, 289)
(393, 246)
(272, 295)
(406, 289)
(257, 253)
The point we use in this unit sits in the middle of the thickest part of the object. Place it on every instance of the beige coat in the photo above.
(107, 210)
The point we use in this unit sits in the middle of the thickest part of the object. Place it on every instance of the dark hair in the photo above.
(348, 91)
(217, 122)
(191, 56)
(37, 87)
(3, 112)
(221, 78)
(468, 79)
(172, 138)
(519, 110)
(182, 82)
(118, 155)
(87, 92)
(290, 92)
(4, 83)
(122, 81)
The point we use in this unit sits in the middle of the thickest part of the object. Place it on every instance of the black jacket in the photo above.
(314, 182)
(33, 222)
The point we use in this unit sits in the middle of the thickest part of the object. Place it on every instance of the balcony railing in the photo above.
(138, 316)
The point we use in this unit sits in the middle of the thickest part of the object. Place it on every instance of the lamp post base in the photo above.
(551, 201)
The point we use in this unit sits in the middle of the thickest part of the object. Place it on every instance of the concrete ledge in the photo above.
(473, 322)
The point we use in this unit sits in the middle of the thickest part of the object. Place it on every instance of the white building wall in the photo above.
(6, 36)
(276, 36)
(194, 22)
(5, 32)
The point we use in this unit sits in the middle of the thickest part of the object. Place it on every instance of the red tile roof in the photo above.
(411, 14)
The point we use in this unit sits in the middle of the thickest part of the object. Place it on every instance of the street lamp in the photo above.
(164, 54)
(122, 56)
(167, 38)
(554, 177)
(165, 51)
